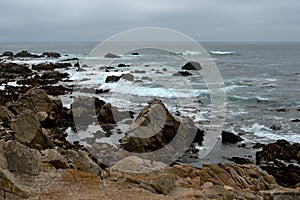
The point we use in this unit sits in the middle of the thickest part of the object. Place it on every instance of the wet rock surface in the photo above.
(230, 138)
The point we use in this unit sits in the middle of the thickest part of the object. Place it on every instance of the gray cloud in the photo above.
(94, 20)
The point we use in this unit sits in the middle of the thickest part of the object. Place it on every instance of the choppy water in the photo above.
(259, 78)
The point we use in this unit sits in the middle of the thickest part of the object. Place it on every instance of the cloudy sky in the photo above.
(95, 20)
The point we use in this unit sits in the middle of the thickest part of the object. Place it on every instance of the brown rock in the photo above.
(9, 189)
(83, 162)
(163, 184)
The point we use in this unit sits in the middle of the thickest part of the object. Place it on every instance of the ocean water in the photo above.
(258, 77)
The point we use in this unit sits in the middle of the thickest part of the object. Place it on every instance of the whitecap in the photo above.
(222, 52)
(189, 52)
(262, 131)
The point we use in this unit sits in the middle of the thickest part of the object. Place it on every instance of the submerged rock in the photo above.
(111, 55)
(182, 73)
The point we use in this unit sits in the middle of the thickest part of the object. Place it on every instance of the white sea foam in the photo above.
(222, 52)
(262, 131)
(127, 87)
(189, 52)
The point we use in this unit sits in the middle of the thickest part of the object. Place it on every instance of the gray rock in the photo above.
(21, 159)
(128, 77)
(28, 130)
(3, 162)
(134, 164)
(155, 128)
(111, 55)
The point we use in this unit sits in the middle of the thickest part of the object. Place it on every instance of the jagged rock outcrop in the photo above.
(281, 159)
(155, 127)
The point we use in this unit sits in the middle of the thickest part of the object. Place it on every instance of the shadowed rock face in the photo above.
(230, 138)
(155, 128)
(272, 158)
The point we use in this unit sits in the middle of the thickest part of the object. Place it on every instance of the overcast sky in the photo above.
(203, 20)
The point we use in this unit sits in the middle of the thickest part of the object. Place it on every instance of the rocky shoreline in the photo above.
(37, 161)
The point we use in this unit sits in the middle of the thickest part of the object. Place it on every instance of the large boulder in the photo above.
(155, 127)
(230, 138)
(21, 159)
(28, 130)
(281, 150)
(37, 100)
